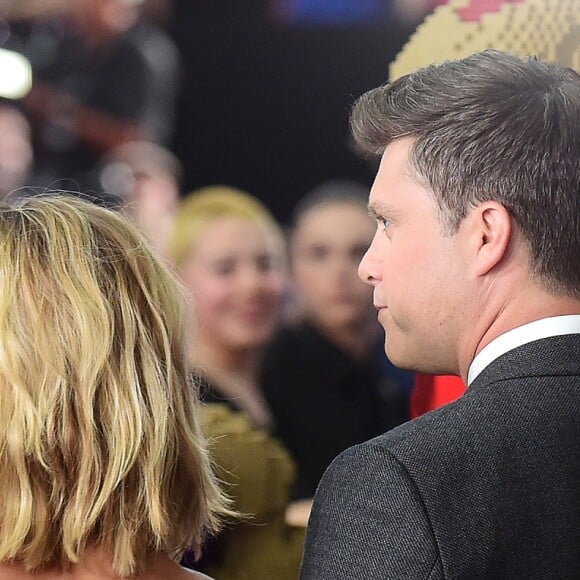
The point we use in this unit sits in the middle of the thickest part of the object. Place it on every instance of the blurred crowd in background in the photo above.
(173, 112)
(253, 94)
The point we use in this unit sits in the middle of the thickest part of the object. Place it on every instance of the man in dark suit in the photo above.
(475, 266)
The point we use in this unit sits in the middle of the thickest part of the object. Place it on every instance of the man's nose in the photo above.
(369, 268)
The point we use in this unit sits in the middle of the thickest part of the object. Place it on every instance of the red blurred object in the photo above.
(477, 8)
(431, 392)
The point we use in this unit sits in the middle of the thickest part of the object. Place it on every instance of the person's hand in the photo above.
(298, 512)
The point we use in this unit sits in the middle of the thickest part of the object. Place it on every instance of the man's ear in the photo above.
(492, 231)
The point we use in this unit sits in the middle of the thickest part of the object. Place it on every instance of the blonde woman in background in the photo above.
(103, 469)
(230, 254)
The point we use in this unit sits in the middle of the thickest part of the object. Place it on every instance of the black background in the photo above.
(264, 105)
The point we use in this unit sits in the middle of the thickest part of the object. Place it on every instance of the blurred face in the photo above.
(95, 20)
(15, 150)
(326, 248)
(234, 273)
(152, 205)
(417, 273)
(83, 11)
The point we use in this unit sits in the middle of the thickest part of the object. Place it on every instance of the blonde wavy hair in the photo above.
(203, 206)
(99, 441)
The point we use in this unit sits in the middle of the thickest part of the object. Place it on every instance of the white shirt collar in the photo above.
(543, 328)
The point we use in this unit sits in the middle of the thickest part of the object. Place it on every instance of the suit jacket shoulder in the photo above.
(364, 498)
(488, 485)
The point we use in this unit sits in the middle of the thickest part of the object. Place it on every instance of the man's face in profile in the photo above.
(415, 269)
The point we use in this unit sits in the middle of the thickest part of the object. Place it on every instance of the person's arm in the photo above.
(100, 131)
(369, 523)
(111, 113)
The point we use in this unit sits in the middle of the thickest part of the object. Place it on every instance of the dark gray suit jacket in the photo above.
(486, 487)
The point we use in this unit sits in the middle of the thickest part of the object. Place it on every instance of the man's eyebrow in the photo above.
(378, 210)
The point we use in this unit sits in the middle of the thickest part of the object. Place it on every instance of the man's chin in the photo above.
(393, 355)
(400, 358)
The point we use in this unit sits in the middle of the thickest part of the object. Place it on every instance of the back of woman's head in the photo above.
(206, 205)
(99, 445)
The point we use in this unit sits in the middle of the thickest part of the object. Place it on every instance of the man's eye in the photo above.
(384, 222)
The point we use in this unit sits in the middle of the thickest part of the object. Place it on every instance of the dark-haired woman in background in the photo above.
(321, 375)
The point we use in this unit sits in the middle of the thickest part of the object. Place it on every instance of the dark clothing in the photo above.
(208, 393)
(485, 487)
(324, 401)
(132, 80)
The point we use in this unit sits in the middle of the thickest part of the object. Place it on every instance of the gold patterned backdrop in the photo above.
(549, 29)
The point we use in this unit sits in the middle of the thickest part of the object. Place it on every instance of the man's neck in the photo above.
(526, 306)
(552, 326)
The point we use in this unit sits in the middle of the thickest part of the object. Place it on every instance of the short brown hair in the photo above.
(492, 126)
